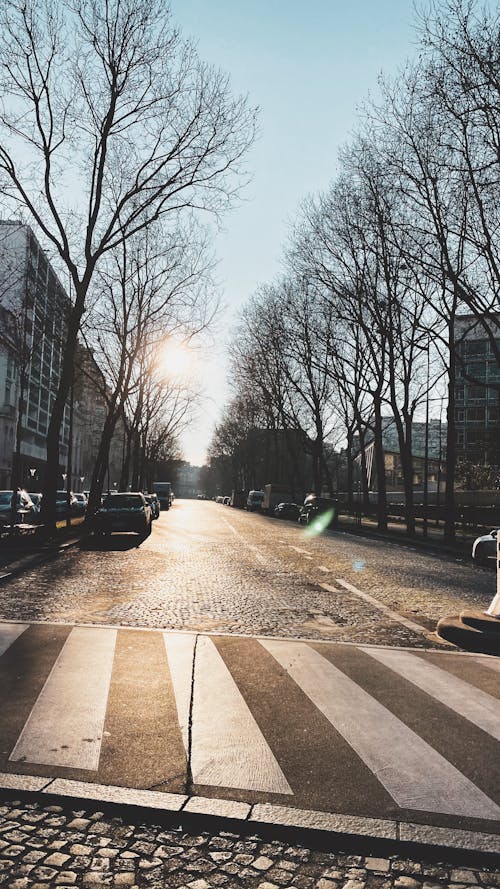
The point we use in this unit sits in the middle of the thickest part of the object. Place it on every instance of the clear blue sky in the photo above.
(308, 67)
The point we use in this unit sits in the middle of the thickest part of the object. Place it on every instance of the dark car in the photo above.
(319, 508)
(287, 511)
(154, 503)
(484, 549)
(123, 512)
(24, 509)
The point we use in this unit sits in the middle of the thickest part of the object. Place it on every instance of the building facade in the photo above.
(34, 311)
(477, 392)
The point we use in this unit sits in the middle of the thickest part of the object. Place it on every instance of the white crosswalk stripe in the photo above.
(66, 723)
(473, 704)
(415, 775)
(227, 746)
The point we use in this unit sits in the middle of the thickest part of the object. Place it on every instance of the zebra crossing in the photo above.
(325, 726)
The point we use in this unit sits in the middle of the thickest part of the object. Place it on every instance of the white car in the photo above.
(484, 549)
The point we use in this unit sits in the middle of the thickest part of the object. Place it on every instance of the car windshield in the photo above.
(5, 496)
(125, 501)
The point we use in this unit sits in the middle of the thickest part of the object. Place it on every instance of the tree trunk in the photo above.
(124, 476)
(350, 471)
(52, 469)
(404, 431)
(101, 462)
(451, 451)
(380, 467)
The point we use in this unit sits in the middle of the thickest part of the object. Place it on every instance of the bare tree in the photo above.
(108, 122)
(152, 288)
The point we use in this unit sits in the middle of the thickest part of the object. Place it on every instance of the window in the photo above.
(476, 392)
(459, 393)
(477, 347)
(475, 415)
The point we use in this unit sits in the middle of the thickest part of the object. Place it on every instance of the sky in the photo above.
(308, 66)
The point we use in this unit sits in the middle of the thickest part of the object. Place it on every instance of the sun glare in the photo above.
(175, 361)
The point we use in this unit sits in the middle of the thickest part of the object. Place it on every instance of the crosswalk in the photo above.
(350, 728)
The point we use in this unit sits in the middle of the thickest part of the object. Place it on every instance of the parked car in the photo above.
(62, 504)
(314, 507)
(255, 500)
(36, 499)
(123, 512)
(81, 503)
(287, 511)
(154, 503)
(484, 549)
(24, 507)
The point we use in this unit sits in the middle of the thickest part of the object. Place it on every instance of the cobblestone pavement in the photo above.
(210, 568)
(48, 846)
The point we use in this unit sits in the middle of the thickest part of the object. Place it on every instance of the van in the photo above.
(255, 500)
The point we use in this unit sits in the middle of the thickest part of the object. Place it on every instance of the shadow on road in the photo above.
(111, 542)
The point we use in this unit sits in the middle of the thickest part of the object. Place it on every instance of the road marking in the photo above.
(411, 625)
(65, 725)
(258, 555)
(473, 704)
(415, 775)
(227, 747)
(9, 633)
(304, 552)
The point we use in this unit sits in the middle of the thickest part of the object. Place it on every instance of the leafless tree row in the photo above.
(362, 323)
(109, 125)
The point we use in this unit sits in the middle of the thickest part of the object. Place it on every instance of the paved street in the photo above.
(209, 568)
(232, 665)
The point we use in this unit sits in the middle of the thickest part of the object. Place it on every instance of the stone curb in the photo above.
(311, 826)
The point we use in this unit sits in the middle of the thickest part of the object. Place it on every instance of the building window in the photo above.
(477, 348)
(476, 392)
(475, 415)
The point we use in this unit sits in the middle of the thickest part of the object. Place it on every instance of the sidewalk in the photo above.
(396, 532)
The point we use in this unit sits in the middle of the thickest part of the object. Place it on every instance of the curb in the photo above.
(309, 827)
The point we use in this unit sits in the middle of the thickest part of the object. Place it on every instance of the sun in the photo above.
(175, 361)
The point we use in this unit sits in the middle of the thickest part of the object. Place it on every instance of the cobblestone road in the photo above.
(208, 567)
(49, 846)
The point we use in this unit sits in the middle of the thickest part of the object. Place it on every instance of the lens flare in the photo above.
(320, 523)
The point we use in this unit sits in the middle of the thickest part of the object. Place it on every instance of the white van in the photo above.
(255, 500)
